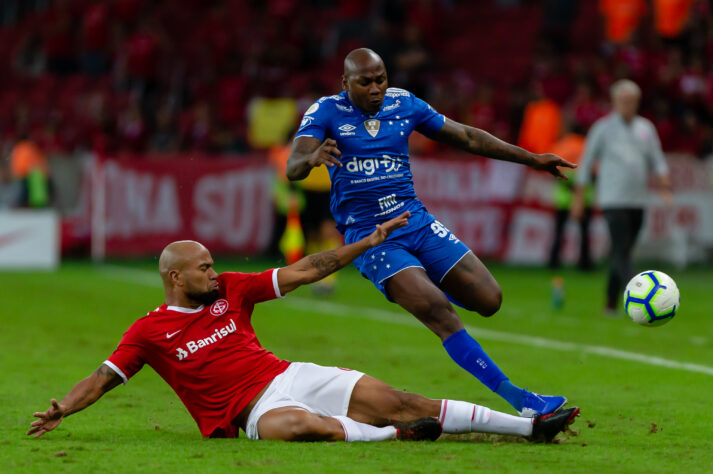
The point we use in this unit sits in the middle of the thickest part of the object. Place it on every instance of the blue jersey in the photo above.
(375, 183)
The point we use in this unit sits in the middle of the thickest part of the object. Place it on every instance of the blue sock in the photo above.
(511, 393)
(467, 353)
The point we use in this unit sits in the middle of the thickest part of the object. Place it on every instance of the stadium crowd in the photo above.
(230, 76)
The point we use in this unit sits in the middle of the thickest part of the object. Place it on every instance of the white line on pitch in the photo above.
(144, 277)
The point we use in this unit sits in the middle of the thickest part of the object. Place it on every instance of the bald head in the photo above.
(365, 79)
(361, 59)
(177, 255)
(189, 279)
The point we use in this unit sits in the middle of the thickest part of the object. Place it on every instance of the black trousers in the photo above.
(624, 227)
(561, 217)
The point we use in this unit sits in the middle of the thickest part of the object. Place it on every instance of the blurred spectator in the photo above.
(621, 18)
(29, 58)
(541, 123)
(165, 137)
(197, 128)
(28, 166)
(57, 31)
(625, 146)
(270, 121)
(319, 226)
(481, 113)
(412, 61)
(583, 108)
(141, 53)
(570, 147)
(209, 58)
(131, 127)
(96, 31)
(231, 93)
(9, 189)
(672, 16)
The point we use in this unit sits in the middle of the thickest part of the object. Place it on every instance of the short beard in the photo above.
(206, 298)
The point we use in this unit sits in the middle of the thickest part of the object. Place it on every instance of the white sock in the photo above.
(355, 431)
(464, 417)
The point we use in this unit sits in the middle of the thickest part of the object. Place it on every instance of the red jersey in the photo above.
(209, 356)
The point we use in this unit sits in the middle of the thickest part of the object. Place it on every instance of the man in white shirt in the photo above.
(626, 148)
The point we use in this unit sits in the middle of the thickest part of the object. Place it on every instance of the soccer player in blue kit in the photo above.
(361, 135)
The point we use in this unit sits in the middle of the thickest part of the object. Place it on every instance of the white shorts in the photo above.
(322, 390)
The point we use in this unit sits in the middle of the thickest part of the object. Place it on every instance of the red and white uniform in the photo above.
(209, 356)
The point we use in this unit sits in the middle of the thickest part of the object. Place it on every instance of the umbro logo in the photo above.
(347, 129)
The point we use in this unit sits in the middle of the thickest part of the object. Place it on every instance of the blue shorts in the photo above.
(429, 245)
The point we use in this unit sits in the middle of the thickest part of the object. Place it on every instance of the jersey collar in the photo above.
(181, 309)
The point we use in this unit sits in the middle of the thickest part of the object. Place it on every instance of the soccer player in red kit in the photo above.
(201, 342)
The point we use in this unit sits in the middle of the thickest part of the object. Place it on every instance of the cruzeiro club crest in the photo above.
(372, 126)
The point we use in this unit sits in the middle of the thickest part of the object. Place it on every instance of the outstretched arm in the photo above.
(317, 266)
(86, 392)
(480, 142)
(308, 152)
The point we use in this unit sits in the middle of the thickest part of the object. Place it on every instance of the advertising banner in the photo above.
(140, 205)
(29, 239)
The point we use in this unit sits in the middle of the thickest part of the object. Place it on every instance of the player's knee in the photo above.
(438, 308)
(492, 303)
(442, 319)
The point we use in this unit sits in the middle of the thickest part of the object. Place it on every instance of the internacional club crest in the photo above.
(372, 126)
(219, 307)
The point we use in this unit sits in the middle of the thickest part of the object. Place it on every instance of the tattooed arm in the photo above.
(480, 142)
(317, 266)
(86, 392)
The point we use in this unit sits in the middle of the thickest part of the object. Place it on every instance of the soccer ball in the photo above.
(651, 298)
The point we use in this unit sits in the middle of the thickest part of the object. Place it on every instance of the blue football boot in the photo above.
(535, 404)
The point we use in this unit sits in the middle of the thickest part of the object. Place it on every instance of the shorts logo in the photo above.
(372, 126)
(219, 307)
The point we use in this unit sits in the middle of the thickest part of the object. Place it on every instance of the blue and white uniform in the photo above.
(375, 182)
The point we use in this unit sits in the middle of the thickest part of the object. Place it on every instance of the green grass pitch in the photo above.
(56, 328)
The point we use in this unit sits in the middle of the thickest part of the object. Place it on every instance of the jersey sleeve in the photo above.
(314, 122)
(252, 287)
(428, 121)
(130, 355)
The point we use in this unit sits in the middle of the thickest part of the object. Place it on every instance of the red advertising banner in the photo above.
(504, 211)
(473, 197)
(500, 210)
(140, 205)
